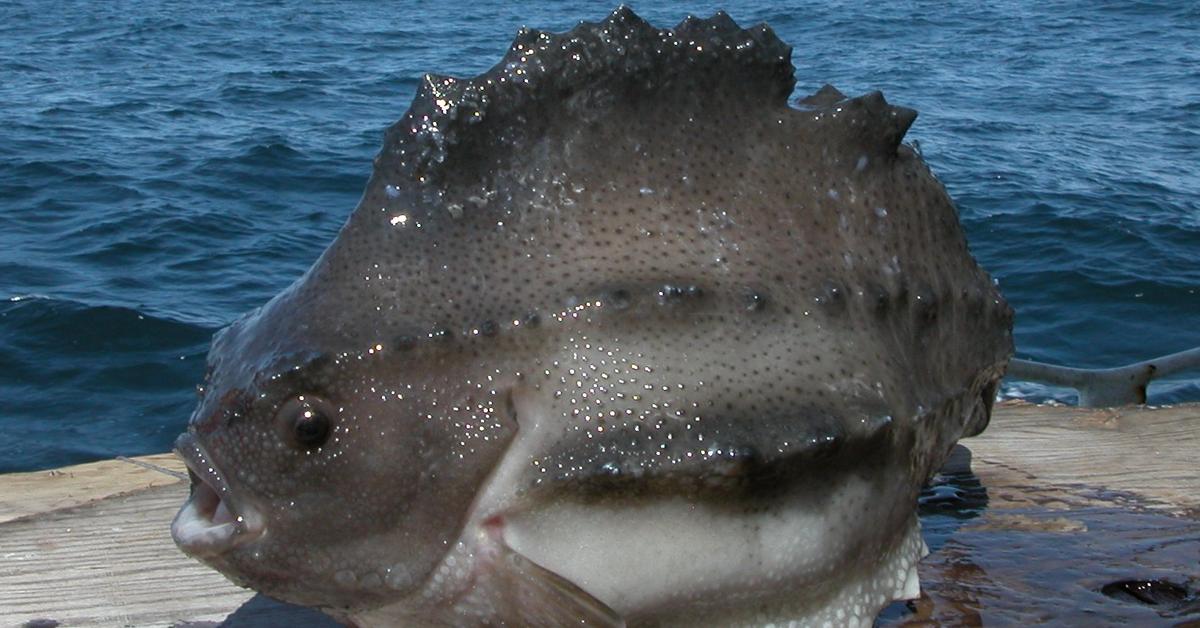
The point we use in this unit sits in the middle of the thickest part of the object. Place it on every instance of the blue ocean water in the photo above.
(166, 166)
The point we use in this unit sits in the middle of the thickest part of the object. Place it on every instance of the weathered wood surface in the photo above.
(90, 546)
(111, 561)
(24, 494)
(1075, 500)
(1150, 453)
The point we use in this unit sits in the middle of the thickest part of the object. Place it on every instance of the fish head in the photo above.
(324, 473)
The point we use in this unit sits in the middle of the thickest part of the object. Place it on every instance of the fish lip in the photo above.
(200, 528)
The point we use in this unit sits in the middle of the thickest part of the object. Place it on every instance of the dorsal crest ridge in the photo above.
(542, 71)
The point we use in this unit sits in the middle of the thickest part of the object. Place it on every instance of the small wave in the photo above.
(1034, 392)
(184, 112)
(299, 75)
(267, 93)
(125, 106)
(36, 322)
(26, 297)
(51, 170)
(276, 154)
(84, 381)
(17, 66)
(273, 153)
(153, 26)
(69, 107)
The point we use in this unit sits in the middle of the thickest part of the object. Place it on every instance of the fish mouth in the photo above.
(211, 522)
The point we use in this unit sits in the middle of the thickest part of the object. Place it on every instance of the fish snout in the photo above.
(220, 412)
(212, 521)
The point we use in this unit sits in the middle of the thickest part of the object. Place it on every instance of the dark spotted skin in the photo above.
(706, 290)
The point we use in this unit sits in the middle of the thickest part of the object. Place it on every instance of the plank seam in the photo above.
(153, 467)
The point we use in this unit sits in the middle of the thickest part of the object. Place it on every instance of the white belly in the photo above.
(671, 561)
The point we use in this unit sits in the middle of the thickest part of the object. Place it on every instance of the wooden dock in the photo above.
(1074, 498)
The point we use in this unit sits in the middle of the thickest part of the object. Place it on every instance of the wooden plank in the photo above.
(1152, 454)
(112, 563)
(108, 563)
(90, 545)
(25, 494)
(1076, 501)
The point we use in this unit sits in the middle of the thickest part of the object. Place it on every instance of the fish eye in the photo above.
(306, 421)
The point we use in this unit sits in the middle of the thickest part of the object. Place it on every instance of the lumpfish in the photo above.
(616, 335)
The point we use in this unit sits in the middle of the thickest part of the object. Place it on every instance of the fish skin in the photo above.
(615, 270)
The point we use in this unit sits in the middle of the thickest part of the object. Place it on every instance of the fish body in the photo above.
(615, 335)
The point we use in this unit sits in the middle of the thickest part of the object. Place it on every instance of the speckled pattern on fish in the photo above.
(615, 335)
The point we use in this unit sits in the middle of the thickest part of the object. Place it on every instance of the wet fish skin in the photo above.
(615, 274)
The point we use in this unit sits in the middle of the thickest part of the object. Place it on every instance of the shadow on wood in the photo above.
(261, 611)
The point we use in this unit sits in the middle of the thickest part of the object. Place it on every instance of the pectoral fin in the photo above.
(505, 589)
(535, 596)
